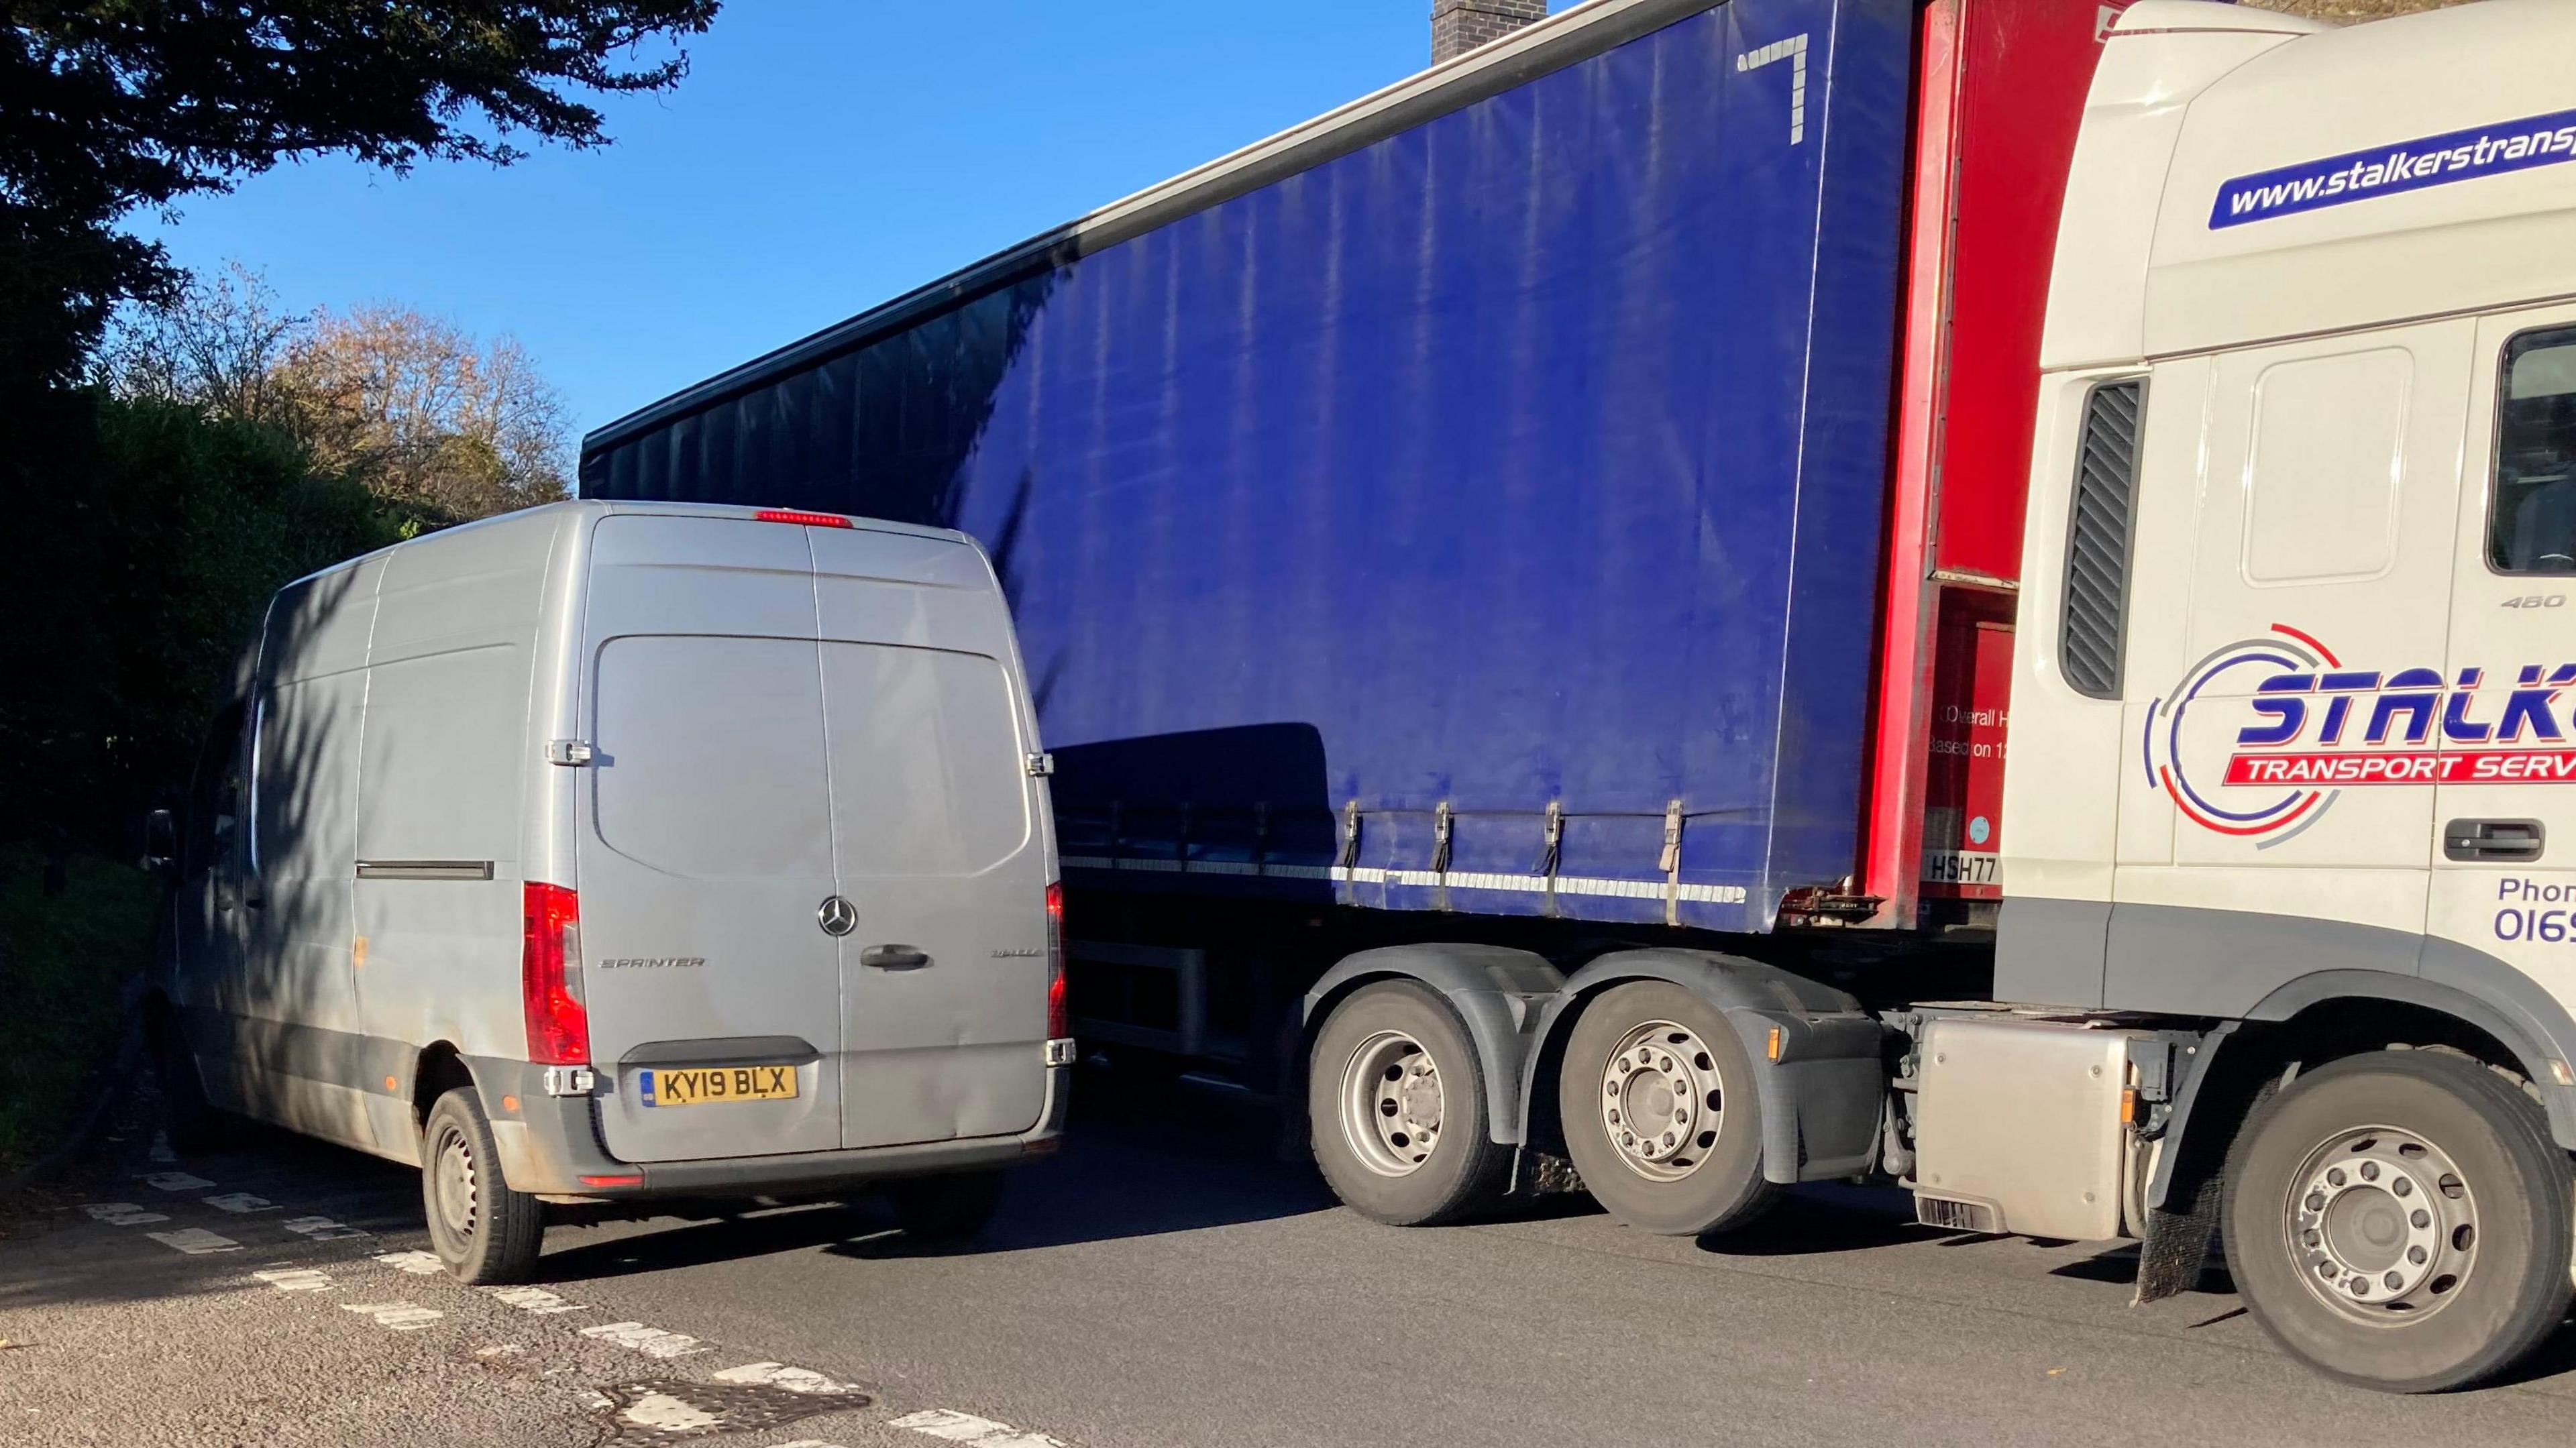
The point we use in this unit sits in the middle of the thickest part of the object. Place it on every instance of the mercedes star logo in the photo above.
(837, 916)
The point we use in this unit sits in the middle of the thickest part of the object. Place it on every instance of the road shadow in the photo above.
(53, 1254)
(1825, 1217)
(1144, 1156)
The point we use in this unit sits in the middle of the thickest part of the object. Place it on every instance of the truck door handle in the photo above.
(2493, 841)
(895, 957)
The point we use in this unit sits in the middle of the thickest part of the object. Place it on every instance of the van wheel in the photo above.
(1662, 1113)
(2401, 1220)
(946, 1208)
(1395, 1107)
(191, 1122)
(484, 1231)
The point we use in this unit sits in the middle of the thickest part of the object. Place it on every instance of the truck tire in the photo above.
(2401, 1221)
(1395, 1105)
(946, 1209)
(1662, 1113)
(484, 1231)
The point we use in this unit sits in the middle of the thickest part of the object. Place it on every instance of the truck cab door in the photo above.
(2293, 744)
(2504, 834)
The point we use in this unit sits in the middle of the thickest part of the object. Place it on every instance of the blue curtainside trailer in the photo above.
(1468, 501)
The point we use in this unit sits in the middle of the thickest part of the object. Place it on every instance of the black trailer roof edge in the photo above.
(1564, 39)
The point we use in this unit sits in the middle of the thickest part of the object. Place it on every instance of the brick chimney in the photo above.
(1459, 26)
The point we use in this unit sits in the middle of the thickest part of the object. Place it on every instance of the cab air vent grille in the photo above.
(2098, 533)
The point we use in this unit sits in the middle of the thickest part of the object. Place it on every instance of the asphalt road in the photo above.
(1164, 1282)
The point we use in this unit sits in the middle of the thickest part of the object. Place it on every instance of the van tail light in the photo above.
(550, 976)
(801, 517)
(1059, 1024)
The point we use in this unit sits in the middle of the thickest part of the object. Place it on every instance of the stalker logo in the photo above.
(2318, 728)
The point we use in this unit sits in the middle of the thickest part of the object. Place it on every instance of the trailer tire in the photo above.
(1392, 1065)
(1650, 1050)
(484, 1231)
(2401, 1221)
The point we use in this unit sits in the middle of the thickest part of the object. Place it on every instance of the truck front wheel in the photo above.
(1395, 1103)
(2402, 1221)
(1661, 1112)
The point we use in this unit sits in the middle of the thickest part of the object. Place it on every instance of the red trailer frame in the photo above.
(2000, 87)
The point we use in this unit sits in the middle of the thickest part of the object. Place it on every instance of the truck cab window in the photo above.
(2532, 528)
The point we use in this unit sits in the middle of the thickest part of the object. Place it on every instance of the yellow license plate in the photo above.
(707, 1085)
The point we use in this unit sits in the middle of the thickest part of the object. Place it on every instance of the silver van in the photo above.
(613, 851)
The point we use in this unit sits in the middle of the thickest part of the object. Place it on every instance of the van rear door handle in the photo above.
(895, 957)
(2493, 841)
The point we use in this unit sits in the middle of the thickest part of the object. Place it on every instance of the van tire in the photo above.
(189, 1119)
(1403, 1027)
(486, 1232)
(946, 1209)
(1704, 1183)
(2412, 1127)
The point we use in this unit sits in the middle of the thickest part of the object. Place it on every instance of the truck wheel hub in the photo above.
(1661, 1100)
(2382, 1223)
(1391, 1104)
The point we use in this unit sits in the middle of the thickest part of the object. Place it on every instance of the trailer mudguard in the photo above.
(1822, 1097)
(1499, 992)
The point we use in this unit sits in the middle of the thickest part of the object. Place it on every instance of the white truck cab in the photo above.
(2294, 716)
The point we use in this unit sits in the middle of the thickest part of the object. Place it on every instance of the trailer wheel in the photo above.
(483, 1230)
(2401, 1221)
(1395, 1104)
(1662, 1114)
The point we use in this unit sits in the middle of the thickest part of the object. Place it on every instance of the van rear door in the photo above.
(707, 850)
(941, 842)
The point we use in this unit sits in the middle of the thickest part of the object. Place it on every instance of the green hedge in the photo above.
(61, 961)
(143, 540)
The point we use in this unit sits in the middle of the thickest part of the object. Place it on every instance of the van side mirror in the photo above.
(160, 842)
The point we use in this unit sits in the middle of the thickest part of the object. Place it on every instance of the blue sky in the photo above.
(822, 156)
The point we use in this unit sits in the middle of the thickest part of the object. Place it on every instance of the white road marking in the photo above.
(777, 1375)
(651, 1341)
(500, 1350)
(122, 1214)
(670, 1414)
(195, 1241)
(594, 1399)
(400, 1316)
(533, 1299)
(967, 1428)
(418, 1264)
(176, 1181)
(161, 1154)
(295, 1279)
(241, 1202)
(321, 1229)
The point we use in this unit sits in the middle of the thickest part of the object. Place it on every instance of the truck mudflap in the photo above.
(1821, 1057)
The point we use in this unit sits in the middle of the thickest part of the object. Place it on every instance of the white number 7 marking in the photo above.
(1794, 51)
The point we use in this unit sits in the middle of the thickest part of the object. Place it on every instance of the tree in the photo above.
(111, 105)
(438, 425)
(218, 345)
